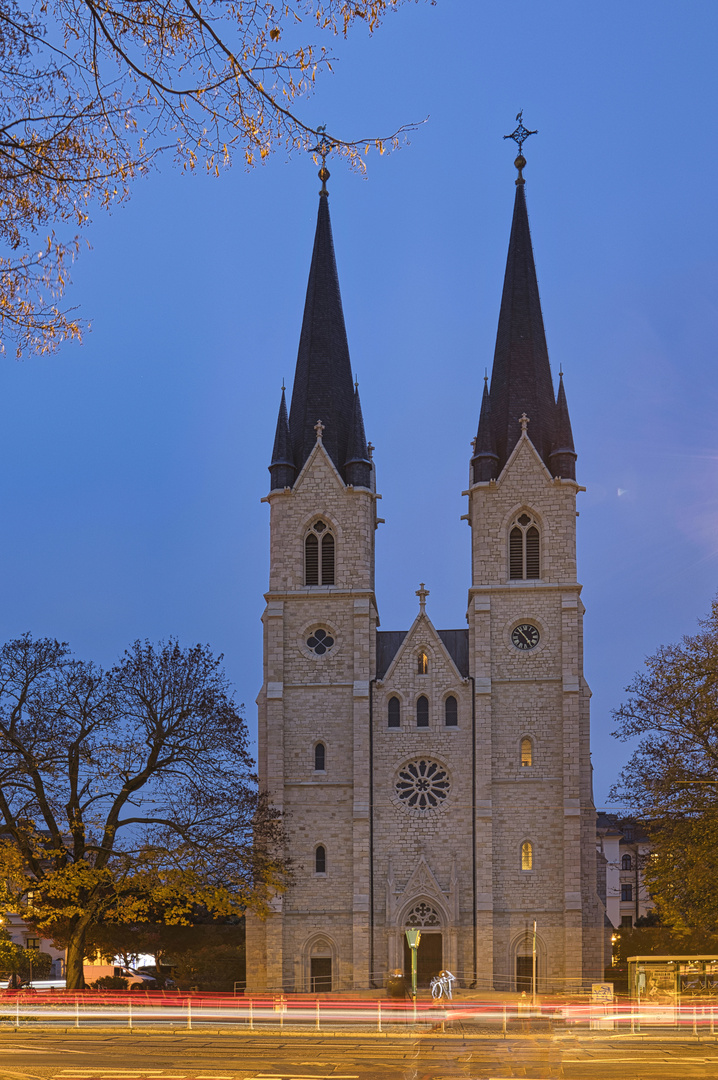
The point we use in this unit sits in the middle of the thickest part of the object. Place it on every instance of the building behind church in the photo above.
(437, 778)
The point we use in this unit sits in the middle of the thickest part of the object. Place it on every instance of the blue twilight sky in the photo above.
(133, 465)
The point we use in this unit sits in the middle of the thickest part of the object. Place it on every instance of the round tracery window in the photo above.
(422, 784)
(423, 915)
(320, 641)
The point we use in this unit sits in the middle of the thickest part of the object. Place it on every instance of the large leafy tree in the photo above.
(127, 793)
(91, 90)
(671, 779)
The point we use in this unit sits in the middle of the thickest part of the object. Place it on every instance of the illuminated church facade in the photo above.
(427, 777)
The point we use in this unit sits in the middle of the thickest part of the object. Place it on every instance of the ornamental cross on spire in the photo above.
(521, 134)
(524, 421)
(323, 148)
(422, 592)
(319, 428)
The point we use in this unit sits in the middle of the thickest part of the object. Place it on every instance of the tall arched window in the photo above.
(626, 862)
(527, 752)
(451, 711)
(320, 860)
(527, 855)
(524, 549)
(423, 663)
(319, 556)
(422, 712)
(320, 757)
(393, 718)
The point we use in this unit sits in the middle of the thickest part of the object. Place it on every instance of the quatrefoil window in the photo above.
(320, 641)
(422, 784)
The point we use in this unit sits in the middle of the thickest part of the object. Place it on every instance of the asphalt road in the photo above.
(199, 1056)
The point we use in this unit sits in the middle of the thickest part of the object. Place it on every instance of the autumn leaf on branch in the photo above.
(93, 90)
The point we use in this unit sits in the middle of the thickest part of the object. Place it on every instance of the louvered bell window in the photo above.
(524, 549)
(319, 556)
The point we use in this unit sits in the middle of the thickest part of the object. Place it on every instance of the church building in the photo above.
(428, 778)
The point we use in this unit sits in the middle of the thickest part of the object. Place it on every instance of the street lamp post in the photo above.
(413, 937)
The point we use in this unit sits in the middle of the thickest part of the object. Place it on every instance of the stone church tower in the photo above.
(432, 778)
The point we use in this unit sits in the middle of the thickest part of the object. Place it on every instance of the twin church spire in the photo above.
(323, 388)
(521, 381)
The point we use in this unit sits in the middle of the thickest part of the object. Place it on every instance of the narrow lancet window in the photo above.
(319, 556)
(311, 560)
(524, 549)
(451, 711)
(527, 855)
(527, 753)
(423, 663)
(394, 712)
(320, 757)
(422, 712)
(320, 860)
(328, 559)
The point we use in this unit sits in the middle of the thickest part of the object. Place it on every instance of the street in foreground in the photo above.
(195, 1056)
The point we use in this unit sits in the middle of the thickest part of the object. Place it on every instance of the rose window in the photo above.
(423, 915)
(320, 642)
(422, 784)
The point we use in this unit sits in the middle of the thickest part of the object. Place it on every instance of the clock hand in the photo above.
(524, 636)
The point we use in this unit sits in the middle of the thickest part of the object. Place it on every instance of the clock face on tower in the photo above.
(525, 636)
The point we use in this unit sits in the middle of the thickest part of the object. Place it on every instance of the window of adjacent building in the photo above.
(320, 860)
(319, 556)
(527, 855)
(527, 753)
(628, 833)
(451, 711)
(626, 862)
(320, 757)
(627, 921)
(423, 663)
(626, 892)
(422, 712)
(524, 544)
(32, 943)
(393, 717)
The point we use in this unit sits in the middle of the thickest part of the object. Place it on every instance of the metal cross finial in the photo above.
(319, 428)
(524, 421)
(323, 148)
(422, 592)
(521, 134)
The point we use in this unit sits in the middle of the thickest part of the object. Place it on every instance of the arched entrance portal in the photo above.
(430, 952)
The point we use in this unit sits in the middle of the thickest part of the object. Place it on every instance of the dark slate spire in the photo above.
(282, 468)
(485, 460)
(358, 464)
(563, 456)
(323, 387)
(521, 376)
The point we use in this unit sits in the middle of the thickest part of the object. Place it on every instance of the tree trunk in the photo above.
(74, 970)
